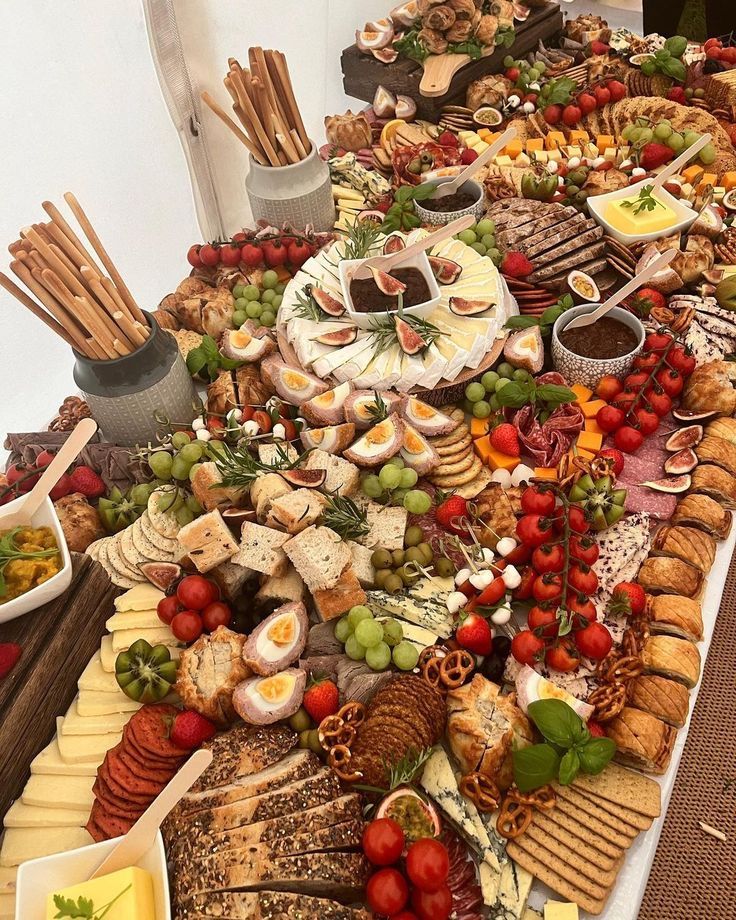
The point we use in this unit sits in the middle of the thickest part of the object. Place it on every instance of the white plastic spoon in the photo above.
(677, 164)
(659, 263)
(445, 188)
(141, 836)
(67, 454)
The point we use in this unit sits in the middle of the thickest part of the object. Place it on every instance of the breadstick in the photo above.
(33, 281)
(288, 91)
(226, 120)
(247, 107)
(58, 220)
(12, 288)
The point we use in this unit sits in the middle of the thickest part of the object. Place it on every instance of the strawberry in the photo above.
(628, 598)
(450, 513)
(85, 480)
(596, 729)
(610, 453)
(505, 439)
(447, 139)
(10, 652)
(190, 729)
(646, 300)
(516, 265)
(677, 94)
(321, 699)
(474, 634)
(63, 487)
(468, 156)
(653, 155)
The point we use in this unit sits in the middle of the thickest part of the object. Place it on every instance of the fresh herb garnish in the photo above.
(544, 397)
(401, 772)
(361, 238)
(9, 551)
(342, 515)
(645, 202)
(385, 334)
(207, 358)
(505, 36)
(83, 907)
(561, 91)
(377, 410)
(401, 215)
(307, 307)
(568, 748)
(410, 46)
(546, 321)
(239, 468)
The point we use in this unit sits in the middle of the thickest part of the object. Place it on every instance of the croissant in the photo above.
(440, 18)
(643, 741)
(351, 132)
(661, 575)
(723, 428)
(678, 616)
(662, 698)
(716, 483)
(710, 388)
(705, 513)
(718, 451)
(686, 543)
(669, 656)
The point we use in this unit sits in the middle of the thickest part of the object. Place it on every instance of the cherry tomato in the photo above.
(240, 237)
(526, 647)
(216, 614)
(383, 841)
(594, 641)
(624, 400)
(405, 915)
(520, 555)
(636, 381)
(547, 587)
(537, 501)
(251, 255)
(209, 255)
(657, 342)
(298, 253)
(563, 656)
(533, 529)
(645, 361)
(584, 549)
(275, 253)
(187, 626)
(609, 418)
(263, 419)
(648, 421)
(492, 594)
(543, 621)
(195, 592)
(524, 591)
(581, 605)
(387, 892)
(230, 255)
(628, 439)
(659, 402)
(290, 432)
(595, 729)
(548, 558)
(193, 256)
(167, 608)
(582, 578)
(671, 381)
(681, 361)
(608, 387)
(577, 520)
(432, 905)
(428, 864)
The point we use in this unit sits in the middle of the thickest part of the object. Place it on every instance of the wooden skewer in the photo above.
(225, 119)
(12, 288)
(91, 235)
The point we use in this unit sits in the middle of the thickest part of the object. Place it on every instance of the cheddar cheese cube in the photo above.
(589, 440)
(499, 461)
(545, 472)
(582, 393)
(728, 180)
(706, 179)
(592, 426)
(692, 173)
(483, 447)
(591, 408)
(534, 143)
(585, 454)
(578, 136)
(605, 140)
(555, 140)
(479, 427)
(513, 148)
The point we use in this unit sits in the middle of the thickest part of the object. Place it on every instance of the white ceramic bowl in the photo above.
(684, 215)
(37, 878)
(588, 371)
(42, 594)
(363, 319)
(440, 218)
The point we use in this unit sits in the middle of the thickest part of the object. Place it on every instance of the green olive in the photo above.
(398, 556)
(427, 553)
(414, 554)
(300, 721)
(381, 559)
(413, 536)
(444, 567)
(393, 584)
(379, 579)
(408, 574)
(304, 739)
(314, 744)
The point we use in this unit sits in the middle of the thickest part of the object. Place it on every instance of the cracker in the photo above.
(452, 438)
(545, 868)
(162, 543)
(624, 787)
(475, 486)
(642, 822)
(595, 812)
(164, 522)
(448, 468)
(571, 851)
(592, 836)
(145, 547)
(544, 824)
(582, 817)
(128, 550)
(448, 450)
(458, 479)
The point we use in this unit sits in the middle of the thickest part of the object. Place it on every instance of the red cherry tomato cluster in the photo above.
(715, 51)
(194, 608)
(272, 252)
(420, 879)
(646, 395)
(561, 565)
(585, 103)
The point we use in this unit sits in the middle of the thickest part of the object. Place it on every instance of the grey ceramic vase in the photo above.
(124, 393)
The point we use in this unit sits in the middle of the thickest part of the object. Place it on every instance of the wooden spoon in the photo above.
(587, 319)
(386, 263)
(68, 453)
(445, 188)
(139, 839)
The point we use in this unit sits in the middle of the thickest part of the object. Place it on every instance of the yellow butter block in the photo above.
(582, 393)
(545, 472)
(593, 426)
(591, 408)
(513, 148)
(555, 140)
(589, 440)
(478, 427)
(605, 140)
(534, 143)
(128, 892)
(499, 461)
(578, 136)
(728, 180)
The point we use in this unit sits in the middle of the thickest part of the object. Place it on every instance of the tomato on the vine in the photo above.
(209, 255)
(547, 587)
(526, 647)
(524, 590)
(230, 255)
(195, 592)
(585, 549)
(657, 342)
(628, 439)
(428, 864)
(563, 656)
(608, 387)
(537, 501)
(582, 578)
(609, 418)
(681, 361)
(387, 892)
(187, 626)
(520, 555)
(383, 841)
(298, 253)
(275, 253)
(193, 256)
(167, 608)
(670, 380)
(594, 641)
(493, 593)
(647, 421)
(577, 520)
(636, 381)
(659, 402)
(216, 614)
(624, 400)
(533, 529)
(251, 255)
(432, 905)
(548, 558)
(543, 621)
(581, 605)
(646, 361)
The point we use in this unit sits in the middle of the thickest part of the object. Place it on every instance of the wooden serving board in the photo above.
(449, 75)
(58, 640)
(452, 392)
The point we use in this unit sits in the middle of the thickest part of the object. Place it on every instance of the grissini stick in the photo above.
(12, 288)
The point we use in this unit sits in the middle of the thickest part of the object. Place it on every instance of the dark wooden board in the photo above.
(57, 640)
(362, 73)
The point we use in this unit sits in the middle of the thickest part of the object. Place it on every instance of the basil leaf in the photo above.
(562, 91)
(535, 766)
(596, 753)
(550, 392)
(520, 322)
(555, 720)
(411, 221)
(514, 395)
(673, 68)
(229, 364)
(196, 360)
(569, 767)
(209, 347)
(551, 315)
(404, 194)
(423, 191)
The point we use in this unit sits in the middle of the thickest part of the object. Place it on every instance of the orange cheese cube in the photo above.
(513, 148)
(545, 472)
(582, 393)
(499, 461)
(590, 409)
(585, 454)
(554, 140)
(483, 447)
(579, 137)
(593, 426)
(691, 173)
(589, 440)
(534, 144)
(605, 140)
(478, 427)
(487, 135)
(728, 180)
(707, 179)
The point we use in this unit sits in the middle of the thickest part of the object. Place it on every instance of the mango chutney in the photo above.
(29, 556)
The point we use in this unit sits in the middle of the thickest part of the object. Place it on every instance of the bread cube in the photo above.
(207, 541)
(261, 549)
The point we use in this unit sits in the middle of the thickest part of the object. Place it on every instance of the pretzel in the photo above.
(608, 700)
(431, 651)
(431, 672)
(334, 731)
(624, 669)
(352, 713)
(481, 790)
(339, 760)
(455, 667)
(513, 819)
(604, 665)
(543, 798)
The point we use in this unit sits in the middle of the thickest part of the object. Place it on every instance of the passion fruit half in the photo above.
(417, 816)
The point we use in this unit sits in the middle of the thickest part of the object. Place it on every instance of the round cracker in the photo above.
(93, 549)
(118, 562)
(162, 543)
(128, 550)
(122, 581)
(145, 547)
(456, 466)
(473, 488)
(459, 447)
(457, 435)
(458, 479)
(164, 522)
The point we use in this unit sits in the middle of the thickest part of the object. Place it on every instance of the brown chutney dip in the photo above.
(606, 338)
(367, 298)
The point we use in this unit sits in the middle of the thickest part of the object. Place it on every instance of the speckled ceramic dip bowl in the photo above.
(589, 371)
(440, 218)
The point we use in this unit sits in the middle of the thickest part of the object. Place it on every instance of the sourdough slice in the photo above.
(296, 510)
(319, 555)
(262, 549)
(281, 589)
(343, 478)
(265, 905)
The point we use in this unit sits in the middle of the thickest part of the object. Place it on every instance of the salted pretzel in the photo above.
(481, 790)
(333, 731)
(431, 672)
(624, 669)
(339, 760)
(543, 798)
(352, 713)
(431, 651)
(608, 701)
(513, 818)
(455, 667)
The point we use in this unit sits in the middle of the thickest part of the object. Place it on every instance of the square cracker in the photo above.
(545, 873)
(625, 787)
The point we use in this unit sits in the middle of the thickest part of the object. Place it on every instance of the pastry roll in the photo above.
(671, 657)
(662, 698)
(716, 483)
(718, 451)
(643, 741)
(221, 396)
(709, 389)
(677, 616)
(686, 543)
(209, 672)
(662, 575)
(705, 513)
(723, 428)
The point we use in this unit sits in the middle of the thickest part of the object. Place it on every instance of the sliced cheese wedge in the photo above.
(100, 703)
(76, 724)
(74, 792)
(95, 677)
(143, 597)
(8, 877)
(134, 619)
(21, 815)
(50, 761)
(23, 843)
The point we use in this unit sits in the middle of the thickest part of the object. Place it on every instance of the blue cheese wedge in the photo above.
(425, 605)
(513, 892)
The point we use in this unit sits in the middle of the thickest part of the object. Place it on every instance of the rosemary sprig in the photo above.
(385, 335)
(344, 517)
(645, 202)
(307, 307)
(362, 237)
(400, 773)
(377, 410)
(9, 550)
(239, 468)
